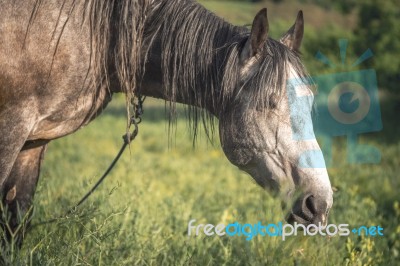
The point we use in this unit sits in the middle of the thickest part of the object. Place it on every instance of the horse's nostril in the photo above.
(310, 208)
(309, 203)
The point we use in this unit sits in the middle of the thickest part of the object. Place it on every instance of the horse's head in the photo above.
(266, 129)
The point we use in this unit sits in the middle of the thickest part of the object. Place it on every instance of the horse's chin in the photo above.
(292, 218)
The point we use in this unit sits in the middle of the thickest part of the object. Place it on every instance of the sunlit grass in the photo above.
(140, 214)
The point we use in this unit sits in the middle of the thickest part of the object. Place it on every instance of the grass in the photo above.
(242, 13)
(139, 215)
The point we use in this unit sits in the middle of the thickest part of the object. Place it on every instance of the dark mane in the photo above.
(200, 61)
(200, 55)
(118, 25)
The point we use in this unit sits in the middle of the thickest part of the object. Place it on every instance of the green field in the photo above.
(139, 216)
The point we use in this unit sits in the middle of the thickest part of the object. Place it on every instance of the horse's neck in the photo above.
(153, 84)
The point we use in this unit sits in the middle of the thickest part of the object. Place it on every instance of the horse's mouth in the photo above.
(319, 221)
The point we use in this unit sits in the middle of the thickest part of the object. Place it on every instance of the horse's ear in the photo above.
(294, 36)
(258, 35)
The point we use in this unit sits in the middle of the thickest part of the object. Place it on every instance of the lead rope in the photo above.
(134, 121)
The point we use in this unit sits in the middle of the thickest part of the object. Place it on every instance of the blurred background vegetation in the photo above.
(139, 215)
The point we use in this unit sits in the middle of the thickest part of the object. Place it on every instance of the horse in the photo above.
(63, 60)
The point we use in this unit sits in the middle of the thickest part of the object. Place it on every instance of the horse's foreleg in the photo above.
(18, 191)
(16, 122)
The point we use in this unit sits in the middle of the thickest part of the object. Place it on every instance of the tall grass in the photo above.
(139, 215)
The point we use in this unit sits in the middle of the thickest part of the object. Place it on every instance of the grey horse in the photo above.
(61, 61)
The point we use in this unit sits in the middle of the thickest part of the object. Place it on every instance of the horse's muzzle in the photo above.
(308, 210)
